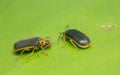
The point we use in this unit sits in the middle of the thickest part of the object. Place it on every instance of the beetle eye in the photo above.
(47, 42)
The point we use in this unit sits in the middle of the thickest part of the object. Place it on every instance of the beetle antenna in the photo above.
(48, 38)
(67, 27)
(59, 37)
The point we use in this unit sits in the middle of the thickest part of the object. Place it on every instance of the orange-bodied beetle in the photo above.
(76, 37)
(32, 44)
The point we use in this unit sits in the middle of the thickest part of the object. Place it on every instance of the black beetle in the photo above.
(31, 44)
(77, 38)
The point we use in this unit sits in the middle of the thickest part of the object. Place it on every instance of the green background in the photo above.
(46, 18)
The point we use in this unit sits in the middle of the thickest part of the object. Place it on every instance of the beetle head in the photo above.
(44, 43)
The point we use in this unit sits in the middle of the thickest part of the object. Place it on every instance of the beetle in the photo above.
(31, 44)
(76, 38)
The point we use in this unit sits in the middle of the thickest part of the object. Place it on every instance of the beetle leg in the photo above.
(64, 39)
(62, 36)
(59, 38)
(21, 54)
(44, 52)
(31, 53)
(73, 43)
(64, 42)
(42, 49)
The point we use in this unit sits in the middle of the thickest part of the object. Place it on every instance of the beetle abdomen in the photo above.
(27, 42)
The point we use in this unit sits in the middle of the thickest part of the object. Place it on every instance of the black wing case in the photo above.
(78, 36)
(27, 42)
